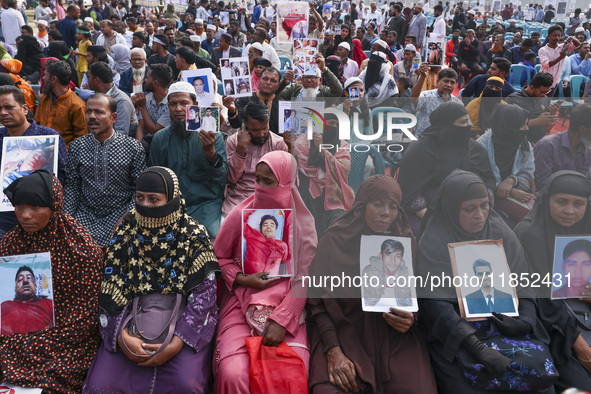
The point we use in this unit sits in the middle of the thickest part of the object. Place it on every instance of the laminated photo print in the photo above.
(193, 118)
(435, 54)
(267, 242)
(235, 73)
(203, 82)
(210, 118)
(22, 156)
(487, 286)
(572, 267)
(297, 116)
(386, 262)
(26, 293)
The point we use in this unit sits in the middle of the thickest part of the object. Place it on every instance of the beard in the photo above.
(260, 141)
(179, 128)
(48, 88)
(138, 74)
(310, 92)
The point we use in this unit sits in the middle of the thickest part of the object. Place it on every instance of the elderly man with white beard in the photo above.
(132, 80)
(311, 86)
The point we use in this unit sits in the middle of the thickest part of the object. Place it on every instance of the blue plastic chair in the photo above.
(517, 71)
(538, 67)
(367, 53)
(285, 61)
(575, 87)
(460, 93)
(358, 160)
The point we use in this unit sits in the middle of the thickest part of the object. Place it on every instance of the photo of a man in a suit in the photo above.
(487, 299)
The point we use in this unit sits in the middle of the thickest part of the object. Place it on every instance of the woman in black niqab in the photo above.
(443, 147)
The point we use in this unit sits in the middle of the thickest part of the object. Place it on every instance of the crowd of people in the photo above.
(140, 205)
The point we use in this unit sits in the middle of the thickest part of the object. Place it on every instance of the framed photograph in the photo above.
(23, 155)
(327, 11)
(235, 74)
(353, 92)
(486, 288)
(572, 266)
(193, 118)
(267, 242)
(210, 118)
(224, 17)
(203, 81)
(386, 262)
(292, 20)
(26, 293)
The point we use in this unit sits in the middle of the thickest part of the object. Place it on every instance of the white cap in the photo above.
(513, 21)
(88, 19)
(198, 20)
(212, 27)
(382, 43)
(195, 38)
(43, 22)
(351, 81)
(450, 18)
(381, 54)
(472, 12)
(579, 30)
(410, 47)
(180, 87)
(258, 46)
(345, 45)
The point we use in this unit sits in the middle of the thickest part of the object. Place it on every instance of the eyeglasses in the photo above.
(309, 77)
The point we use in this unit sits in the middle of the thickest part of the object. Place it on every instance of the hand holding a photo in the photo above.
(399, 320)
(288, 76)
(320, 62)
(229, 103)
(341, 371)
(510, 326)
(274, 334)
(256, 281)
(208, 143)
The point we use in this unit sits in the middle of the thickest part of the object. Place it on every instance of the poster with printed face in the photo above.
(292, 20)
(203, 82)
(236, 77)
(193, 118)
(572, 267)
(23, 155)
(224, 17)
(386, 262)
(327, 11)
(561, 9)
(210, 118)
(486, 287)
(304, 56)
(26, 293)
(267, 242)
(297, 116)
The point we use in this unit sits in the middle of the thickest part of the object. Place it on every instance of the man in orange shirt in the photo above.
(59, 107)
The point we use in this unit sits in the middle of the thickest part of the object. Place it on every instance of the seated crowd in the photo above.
(141, 206)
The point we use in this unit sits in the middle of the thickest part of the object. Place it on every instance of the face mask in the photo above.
(488, 92)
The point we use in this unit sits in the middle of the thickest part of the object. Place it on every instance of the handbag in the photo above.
(513, 208)
(153, 318)
(531, 369)
(581, 311)
(278, 370)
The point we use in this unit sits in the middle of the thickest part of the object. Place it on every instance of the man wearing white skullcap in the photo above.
(197, 158)
(407, 66)
(41, 35)
(350, 67)
(210, 41)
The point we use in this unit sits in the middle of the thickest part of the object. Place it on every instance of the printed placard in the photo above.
(235, 72)
(203, 82)
(296, 116)
(292, 20)
(304, 56)
(386, 262)
(572, 267)
(22, 156)
(267, 242)
(435, 53)
(487, 288)
(26, 293)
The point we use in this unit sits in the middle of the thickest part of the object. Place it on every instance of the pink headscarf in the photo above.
(228, 245)
(358, 54)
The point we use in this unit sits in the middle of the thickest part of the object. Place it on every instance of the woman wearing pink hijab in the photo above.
(250, 305)
(358, 54)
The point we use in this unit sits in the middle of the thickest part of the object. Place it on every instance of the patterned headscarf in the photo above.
(166, 252)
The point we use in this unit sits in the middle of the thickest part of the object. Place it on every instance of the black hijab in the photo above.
(34, 189)
(506, 121)
(30, 54)
(441, 149)
(439, 305)
(489, 99)
(537, 232)
(374, 67)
